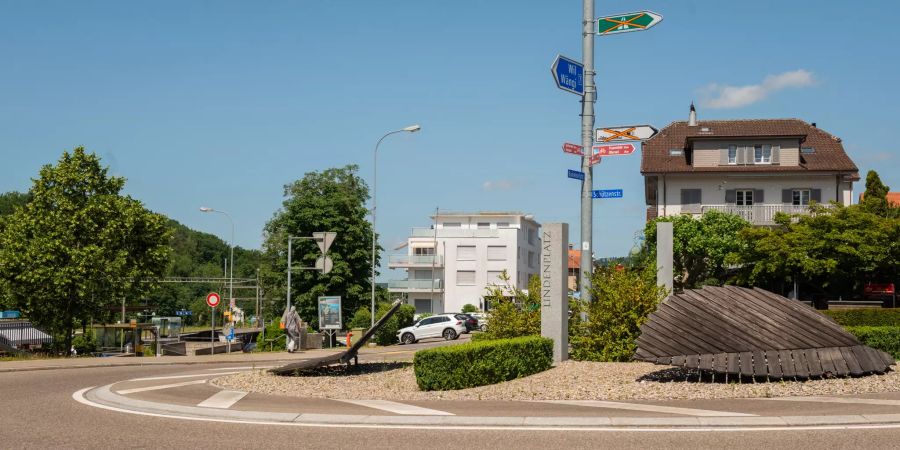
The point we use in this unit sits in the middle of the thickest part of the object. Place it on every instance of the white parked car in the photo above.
(444, 325)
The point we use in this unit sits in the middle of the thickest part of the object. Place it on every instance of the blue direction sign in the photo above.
(568, 74)
(607, 193)
(576, 174)
(183, 312)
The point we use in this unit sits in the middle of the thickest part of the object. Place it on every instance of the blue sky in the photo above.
(222, 103)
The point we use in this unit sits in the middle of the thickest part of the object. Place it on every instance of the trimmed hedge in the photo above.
(866, 317)
(481, 363)
(886, 339)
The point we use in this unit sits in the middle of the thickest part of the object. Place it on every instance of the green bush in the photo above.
(275, 339)
(362, 318)
(481, 363)
(515, 315)
(886, 339)
(469, 308)
(622, 301)
(869, 317)
(403, 318)
(85, 343)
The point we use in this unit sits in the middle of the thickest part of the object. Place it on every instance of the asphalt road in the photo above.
(38, 412)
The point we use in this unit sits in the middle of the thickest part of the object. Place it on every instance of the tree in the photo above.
(330, 200)
(78, 246)
(9, 201)
(875, 197)
(701, 247)
(834, 249)
(469, 308)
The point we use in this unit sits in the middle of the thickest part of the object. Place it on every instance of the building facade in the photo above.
(453, 262)
(751, 168)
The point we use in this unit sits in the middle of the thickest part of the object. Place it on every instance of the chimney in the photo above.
(692, 118)
(814, 125)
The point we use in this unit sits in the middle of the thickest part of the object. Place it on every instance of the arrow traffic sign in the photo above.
(324, 239)
(624, 23)
(213, 299)
(576, 174)
(628, 133)
(568, 74)
(573, 149)
(613, 150)
(606, 193)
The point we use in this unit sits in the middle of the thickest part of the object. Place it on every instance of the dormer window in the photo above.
(762, 154)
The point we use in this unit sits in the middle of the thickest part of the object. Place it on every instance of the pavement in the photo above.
(171, 405)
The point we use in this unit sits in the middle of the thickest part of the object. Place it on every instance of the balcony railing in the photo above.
(414, 285)
(416, 260)
(455, 233)
(757, 214)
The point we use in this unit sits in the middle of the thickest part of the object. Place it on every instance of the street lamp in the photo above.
(231, 262)
(409, 129)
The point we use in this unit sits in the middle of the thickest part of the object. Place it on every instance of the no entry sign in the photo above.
(213, 299)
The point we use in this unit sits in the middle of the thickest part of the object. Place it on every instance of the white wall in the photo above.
(669, 189)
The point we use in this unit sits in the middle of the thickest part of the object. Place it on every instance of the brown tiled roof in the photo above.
(829, 152)
(574, 259)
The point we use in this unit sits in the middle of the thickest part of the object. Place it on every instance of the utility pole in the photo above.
(587, 140)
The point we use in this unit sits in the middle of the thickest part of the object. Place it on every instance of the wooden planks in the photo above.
(752, 332)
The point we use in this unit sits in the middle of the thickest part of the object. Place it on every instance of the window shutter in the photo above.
(465, 252)
(776, 154)
(690, 200)
(787, 196)
(465, 277)
(815, 195)
(723, 157)
(496, 253)
(758, 196)
(745, 155)
(730, 196)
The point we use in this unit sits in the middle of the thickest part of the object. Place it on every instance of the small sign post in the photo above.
(606, 193)
(626, 133)
(613, 150)
(576, 174)
(624, 23)
(212, 299)
(573, 149)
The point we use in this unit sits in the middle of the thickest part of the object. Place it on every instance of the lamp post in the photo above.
(231, 259)
(409, 129)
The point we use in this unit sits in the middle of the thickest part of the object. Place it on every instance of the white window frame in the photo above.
(797, 197)
(743, 196)
(732, 154)
(762, 154)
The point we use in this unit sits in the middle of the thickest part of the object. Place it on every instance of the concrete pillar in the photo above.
(664, 256)
(554, 291)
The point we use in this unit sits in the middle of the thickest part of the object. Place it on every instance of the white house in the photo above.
(753, 168)
(452, 262)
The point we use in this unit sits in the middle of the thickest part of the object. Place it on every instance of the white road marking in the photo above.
(398, 408)
(172, 377)
(163, 386)
(222, 399)
(242, 368)
(649, 408)
(79, 397)
(848, 400)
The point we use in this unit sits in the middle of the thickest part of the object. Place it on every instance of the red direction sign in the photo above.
(595, 158)
(213, 299)
(613, 150)
(573, 149)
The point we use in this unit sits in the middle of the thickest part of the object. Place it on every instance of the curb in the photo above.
(103, 397)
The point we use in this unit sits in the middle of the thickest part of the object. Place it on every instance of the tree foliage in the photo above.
(622, 301)
(874, 199)
(330, 200)
(78, 245)
(513, 312)
(701, 247)
(834, 249)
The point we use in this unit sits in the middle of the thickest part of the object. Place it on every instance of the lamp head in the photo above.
(206, 209)
(413, 128)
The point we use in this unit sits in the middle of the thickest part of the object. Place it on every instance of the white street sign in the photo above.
(324, 239)
(325, 264)
(627, 133)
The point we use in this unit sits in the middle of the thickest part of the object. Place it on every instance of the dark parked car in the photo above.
(470, 322)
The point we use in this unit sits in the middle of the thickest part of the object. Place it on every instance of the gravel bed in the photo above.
(569, 380)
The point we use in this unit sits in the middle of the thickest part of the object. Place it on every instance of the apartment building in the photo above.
(452, 262)
(752, 168)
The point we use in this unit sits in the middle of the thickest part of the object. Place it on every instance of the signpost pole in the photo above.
(212, 331)
(587, 139)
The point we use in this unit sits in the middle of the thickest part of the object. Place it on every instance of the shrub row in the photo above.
(870, 317)
(886, 339)
(481, 363)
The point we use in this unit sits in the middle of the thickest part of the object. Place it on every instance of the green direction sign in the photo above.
(624, 23)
